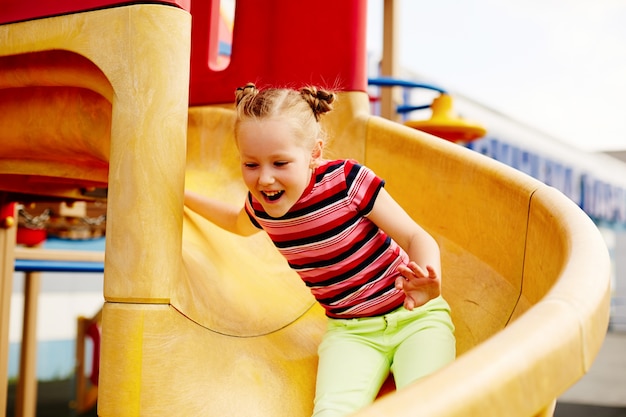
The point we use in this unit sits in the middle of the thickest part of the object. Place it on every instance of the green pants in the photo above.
(356, 355)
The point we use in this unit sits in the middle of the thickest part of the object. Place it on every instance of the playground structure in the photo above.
(125, 99)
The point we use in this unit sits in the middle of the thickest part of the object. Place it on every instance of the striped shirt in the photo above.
(348, 263)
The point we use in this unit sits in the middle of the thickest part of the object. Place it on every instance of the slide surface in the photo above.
(201, 322)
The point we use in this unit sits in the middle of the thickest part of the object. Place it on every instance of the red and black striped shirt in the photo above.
(344, 258)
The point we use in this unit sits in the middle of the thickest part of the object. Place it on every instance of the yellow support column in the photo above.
(147, 157)
(137, 58)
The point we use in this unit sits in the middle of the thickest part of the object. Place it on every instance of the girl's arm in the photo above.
(421, 278)
(227, 216)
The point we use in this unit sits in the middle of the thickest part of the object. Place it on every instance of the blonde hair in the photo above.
(302, 109)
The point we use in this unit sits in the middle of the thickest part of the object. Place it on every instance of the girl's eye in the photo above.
(280, 163)
(250, 164)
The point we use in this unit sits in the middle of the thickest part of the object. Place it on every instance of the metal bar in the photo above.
(29, 265)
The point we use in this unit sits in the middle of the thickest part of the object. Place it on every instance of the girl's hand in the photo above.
(419, 285)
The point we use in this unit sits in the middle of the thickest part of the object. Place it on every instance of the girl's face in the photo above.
(276, 167)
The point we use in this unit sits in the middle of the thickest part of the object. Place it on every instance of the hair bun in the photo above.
(319, 100)
(245, 91)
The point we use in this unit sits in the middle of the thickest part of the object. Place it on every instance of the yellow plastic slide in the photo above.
(199, 322)
(524, 270)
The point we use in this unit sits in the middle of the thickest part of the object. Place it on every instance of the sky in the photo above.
(556, 65)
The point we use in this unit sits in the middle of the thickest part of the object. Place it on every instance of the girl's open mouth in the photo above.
(272, 195)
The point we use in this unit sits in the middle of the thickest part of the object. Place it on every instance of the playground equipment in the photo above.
(200, 322)
(443, 121)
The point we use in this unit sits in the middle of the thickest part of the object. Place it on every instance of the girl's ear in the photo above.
(316, 153)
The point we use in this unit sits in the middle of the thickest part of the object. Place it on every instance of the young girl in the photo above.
(370, 266)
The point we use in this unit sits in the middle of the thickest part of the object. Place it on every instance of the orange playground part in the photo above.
(201, 322)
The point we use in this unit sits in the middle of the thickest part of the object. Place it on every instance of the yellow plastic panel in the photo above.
(160, 363)
(560, 231)
(458, 198)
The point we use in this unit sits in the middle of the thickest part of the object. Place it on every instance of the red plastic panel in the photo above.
(20, 10)
(280, 42)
